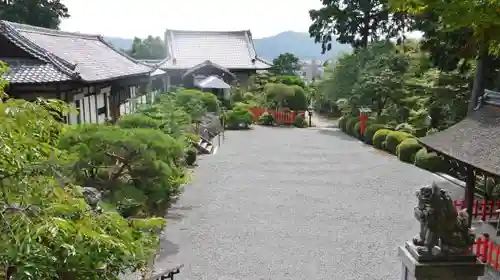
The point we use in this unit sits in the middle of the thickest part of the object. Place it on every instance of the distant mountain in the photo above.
(298, 43)
(120, 43)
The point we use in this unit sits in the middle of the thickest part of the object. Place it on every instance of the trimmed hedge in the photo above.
(407, 150)
(266, 119)
(395, 138)
(379, 138)
(351, 122)
(356, 130)
(429, 161)
(370, 132)
(342, 123)
(300, 121)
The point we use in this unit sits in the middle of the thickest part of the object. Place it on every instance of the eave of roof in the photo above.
(205, 64)
(474, 140)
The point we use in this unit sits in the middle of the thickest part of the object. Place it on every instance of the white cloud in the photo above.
(141, 18)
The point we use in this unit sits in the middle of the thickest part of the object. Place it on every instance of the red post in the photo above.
(363, 117)
(484, 253)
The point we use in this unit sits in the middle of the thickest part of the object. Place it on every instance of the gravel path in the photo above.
(282, 203)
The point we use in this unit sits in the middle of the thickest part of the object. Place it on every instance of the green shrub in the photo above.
(429, 161)
(297, 102)
(379, 138)
(210, 101)
(405, 127)
(342, 123)
(394, 138)
(266, 119)
(420, 132)
(370, 131)
(191, 157)
(138, 121)
(407, 150)
(349, 126)
(356, 130)
(239, 118)
(300, 121)
(248, 96)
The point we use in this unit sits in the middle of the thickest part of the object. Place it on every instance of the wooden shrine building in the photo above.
(471, 148)
(228, 56)
(83, 70)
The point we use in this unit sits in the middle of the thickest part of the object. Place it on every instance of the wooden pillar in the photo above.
(470, 188)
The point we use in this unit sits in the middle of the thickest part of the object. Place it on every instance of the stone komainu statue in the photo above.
(441, 224)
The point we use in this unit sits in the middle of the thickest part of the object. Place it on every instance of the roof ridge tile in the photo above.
(55, 32)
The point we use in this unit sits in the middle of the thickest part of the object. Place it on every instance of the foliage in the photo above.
(286, 64)
(171, 118)
(370, 132)
(298, 101)
(379, 138)
(291, 81)
(277, 94)
(239, 118)
(48, 230)
(196, 103)
(349, 126)
(149, 48)
(43, 13)
(266, 119)
(191, 157)
(395, 138)
(342, 123)
(140, 168)
(354, 22)
(429, 161)
(357, 129)
(407, 150)
(371, 77)
(300, 121)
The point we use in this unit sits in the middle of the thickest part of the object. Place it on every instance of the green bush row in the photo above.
(400, 143)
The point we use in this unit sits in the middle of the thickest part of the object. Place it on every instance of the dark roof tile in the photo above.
(229, 49)
(89, 57)
(475, 140)
(24, 71)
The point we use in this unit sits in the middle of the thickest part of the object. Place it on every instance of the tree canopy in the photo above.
(354, 22)
(43, 13)
(149, 48)
(286, 64)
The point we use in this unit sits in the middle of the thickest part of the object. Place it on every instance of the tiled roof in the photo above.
(474, 140)
(229, 49)
(80, 56)
(24, 71)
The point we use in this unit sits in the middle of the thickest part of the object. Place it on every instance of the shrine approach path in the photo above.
(288, 203)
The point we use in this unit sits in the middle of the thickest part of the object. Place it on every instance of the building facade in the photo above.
(98, 80)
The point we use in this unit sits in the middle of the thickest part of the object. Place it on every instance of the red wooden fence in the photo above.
(483, 209)
(286, 118)
(487, 251)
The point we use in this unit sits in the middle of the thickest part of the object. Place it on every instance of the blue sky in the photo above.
(127, 18)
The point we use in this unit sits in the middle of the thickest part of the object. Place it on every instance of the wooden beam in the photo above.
(470, 188)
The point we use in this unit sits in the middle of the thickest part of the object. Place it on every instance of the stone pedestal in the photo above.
(413, 269)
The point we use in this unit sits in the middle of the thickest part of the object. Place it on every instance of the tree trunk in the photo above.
(478, 87)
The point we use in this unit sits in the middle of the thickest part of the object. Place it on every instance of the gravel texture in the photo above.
(284, 203)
